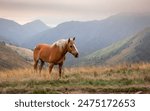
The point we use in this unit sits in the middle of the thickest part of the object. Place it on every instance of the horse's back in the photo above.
(49, 53)
(40, 48)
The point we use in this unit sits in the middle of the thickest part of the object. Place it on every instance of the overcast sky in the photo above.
(53, 12)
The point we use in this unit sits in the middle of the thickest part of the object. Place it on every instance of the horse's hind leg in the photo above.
(35, 65)
(41, 66)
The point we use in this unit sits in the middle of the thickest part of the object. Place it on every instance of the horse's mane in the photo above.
(60, 43)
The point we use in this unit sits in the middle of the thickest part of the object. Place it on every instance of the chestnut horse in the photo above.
(54, 54)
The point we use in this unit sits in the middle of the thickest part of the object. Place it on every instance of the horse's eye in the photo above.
(71, 46)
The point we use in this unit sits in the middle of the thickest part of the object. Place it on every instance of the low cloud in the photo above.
(62, 10)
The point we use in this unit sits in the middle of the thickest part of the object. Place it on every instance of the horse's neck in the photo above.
(62, 48)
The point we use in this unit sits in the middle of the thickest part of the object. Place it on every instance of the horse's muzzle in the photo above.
(76, 55)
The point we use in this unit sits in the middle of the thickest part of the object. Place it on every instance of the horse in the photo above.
(54, 54)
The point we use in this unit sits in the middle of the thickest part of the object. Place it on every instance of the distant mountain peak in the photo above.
(35, 27)
(11, 31)
(7, 21)
(4, 19)
(37, 22)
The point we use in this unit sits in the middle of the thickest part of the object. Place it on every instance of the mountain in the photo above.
(94, 35)
(18, 34)
(9, 59)
(34, 27)
(10, 30)
(130, 50)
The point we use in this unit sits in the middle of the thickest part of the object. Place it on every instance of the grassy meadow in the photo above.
(133, 78)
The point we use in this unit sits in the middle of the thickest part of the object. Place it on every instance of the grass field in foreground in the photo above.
(104, 79)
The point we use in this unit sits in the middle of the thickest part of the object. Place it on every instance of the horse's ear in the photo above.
(74, 38)
(68, 40)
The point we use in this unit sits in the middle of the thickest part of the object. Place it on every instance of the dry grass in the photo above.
(134, 71)
(103, 79)
(24, 52)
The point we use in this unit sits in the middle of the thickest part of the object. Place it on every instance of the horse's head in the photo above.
(72, 47)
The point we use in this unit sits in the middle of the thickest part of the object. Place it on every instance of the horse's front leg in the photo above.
(50, 68)
(60, 69)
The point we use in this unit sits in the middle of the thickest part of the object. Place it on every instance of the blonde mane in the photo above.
(60, 43)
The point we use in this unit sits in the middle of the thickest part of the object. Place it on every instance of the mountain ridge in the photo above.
(96, 34)
(16, 33)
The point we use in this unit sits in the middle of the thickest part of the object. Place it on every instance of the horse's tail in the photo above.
(36, 53)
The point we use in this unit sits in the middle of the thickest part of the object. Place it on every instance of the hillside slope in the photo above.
(9, 59)
(130, 50)
(27, 54)
(136, 50)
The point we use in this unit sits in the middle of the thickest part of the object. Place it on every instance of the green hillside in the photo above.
(130, 50)
(137, 49)
(108, 51)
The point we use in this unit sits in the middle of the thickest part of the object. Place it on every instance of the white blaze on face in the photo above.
(75, 48)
